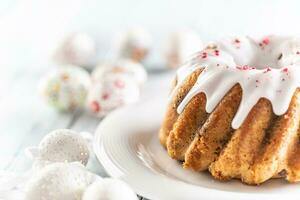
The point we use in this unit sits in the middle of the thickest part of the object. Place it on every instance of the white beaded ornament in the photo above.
(109, 189)
(62, 145)
(59, 181)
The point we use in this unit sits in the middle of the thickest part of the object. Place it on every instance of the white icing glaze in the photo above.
(266, 68)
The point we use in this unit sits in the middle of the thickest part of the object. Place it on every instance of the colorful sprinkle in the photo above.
(285, 70)
(204, 55)
(268, 70)
(65, 77)
(119, 84)
(245, 67)
(105, 96)
(217, 52)
(266, 41)
(95, 107)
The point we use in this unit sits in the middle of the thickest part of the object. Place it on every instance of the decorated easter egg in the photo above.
(65, 88)
(125, 66)
(59, 181)
(133, 44)
(111, 92)
(76, 49)
(62, 145)
(179, 46)
(109, 189)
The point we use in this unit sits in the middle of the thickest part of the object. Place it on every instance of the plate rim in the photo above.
(113, 171)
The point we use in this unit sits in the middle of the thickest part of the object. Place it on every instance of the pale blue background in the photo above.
(30, 30)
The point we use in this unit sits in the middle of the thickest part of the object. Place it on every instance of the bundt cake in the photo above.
(235, 110)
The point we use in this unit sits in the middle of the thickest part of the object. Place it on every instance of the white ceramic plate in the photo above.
(127, 145)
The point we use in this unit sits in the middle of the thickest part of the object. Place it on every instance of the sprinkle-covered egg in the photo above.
(133, 44)
(76, 49)
(181, 45)
(62, 145)
(65, 88)
(125, 66)
(111, 92)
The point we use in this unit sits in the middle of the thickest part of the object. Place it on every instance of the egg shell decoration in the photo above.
(125, 66)
(62, 145)
(133, 44)
(109, 189)
(77, 49)
(59, 181)
(66, 88)
(180, 46)
(111, 92)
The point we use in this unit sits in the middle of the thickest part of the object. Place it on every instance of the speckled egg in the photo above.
(179, 46)
(77, 49)
(125, 66)
(133, 44)
(111, 92)
(109, 189)
(65, 88)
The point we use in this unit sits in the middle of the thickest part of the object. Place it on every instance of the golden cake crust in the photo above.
(265, 146)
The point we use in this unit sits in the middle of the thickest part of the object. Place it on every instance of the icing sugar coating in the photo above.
(266, 68)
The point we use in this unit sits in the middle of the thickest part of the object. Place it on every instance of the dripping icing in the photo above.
(255, 65)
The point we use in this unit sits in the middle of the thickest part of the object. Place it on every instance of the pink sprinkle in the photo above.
(268, 70)
(266, 41)
(95, 107)
(285, 69)
(217, 52)
(245, 67)
(119, 84)
(105, 96)
(204, 55)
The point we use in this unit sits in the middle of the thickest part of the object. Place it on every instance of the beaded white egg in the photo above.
(109, 189)
(59, 181)
(62, 145)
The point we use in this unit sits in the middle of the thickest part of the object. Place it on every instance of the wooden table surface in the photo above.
(25, 119)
